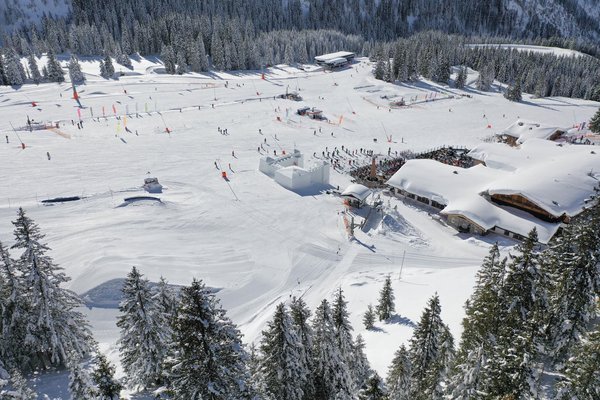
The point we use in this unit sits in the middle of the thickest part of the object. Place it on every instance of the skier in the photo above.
(48, 155)
(6, 138)
(232, 153)
(216, 166)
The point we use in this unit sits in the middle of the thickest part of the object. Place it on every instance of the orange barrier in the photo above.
(224, 174)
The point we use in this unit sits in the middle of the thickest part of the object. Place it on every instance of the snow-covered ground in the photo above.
(255, 241)
(557, 51)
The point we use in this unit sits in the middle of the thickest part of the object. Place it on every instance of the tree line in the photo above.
(432, 54)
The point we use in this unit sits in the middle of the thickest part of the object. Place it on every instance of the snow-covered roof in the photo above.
(505, 157)
(331, 56)
(559, 185)
(357, 191)
(559, 179)
(337, 60)
(524, 130)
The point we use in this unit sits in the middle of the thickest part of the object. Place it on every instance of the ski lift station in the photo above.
(335, 60)
(288, 170)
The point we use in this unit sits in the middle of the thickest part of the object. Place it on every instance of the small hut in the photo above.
(356, 195)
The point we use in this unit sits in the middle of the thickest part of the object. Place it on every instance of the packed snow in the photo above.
(250, 239)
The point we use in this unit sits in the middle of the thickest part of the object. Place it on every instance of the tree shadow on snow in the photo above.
(400, 320)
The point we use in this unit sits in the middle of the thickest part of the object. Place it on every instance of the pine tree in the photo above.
(80, 383)
(3, 78)
(283, 367)
(575, 282)
(217, 51)
(386, 307)
(75, 73)
(55, 72)
(486, 309)
(15, 73)
(108, 67)
(466, 382)
(124, 60)
(398, 378)
(168, 58)
(103, 376)
(103, 70)
(513, 92)
(342, 327)
(373, 389)
(300, 315)
(144, 333)
(182, 66)
(20, 390)
(511, 362)
(461, 78)
(55, 326)
(380, 69)
(208, 360)
(426, 353)
(369, 318)
(360, 364)
(166, 300)
(33, 68)
(13, 311)
(332, 375)
(582, 373)
(594, 124)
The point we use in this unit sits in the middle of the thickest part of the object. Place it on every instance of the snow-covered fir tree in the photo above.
(182, 66)
(13, 69)
(124, 60)
(283, 367)
(103, 376)
(486, 308)
(167, 56)
(13, 311)
(300, 314)
(360, 367)
(55, 327)
(595, 123)
(166, 300)
(3, 78)
(145, 335)
(208, 360)
(343, 329)
(461, 78)
(426, 352)
(80, 383)
(332, 374)
(399, 373)
(369, 317)
(574, 283)
(379, 70)
(513, 92)
(75, 73)
(512, 365)
(581, 378)
(373, 389)
(20, 390)
(102, 68)
(466, 382)
(109, 69)
(36, 77)
(386, 307)
(55, 71)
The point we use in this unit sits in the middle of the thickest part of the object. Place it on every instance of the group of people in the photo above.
(450, 156)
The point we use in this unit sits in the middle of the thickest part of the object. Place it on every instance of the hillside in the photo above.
(513, 18)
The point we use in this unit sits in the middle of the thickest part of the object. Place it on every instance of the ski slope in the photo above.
(254, 241)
